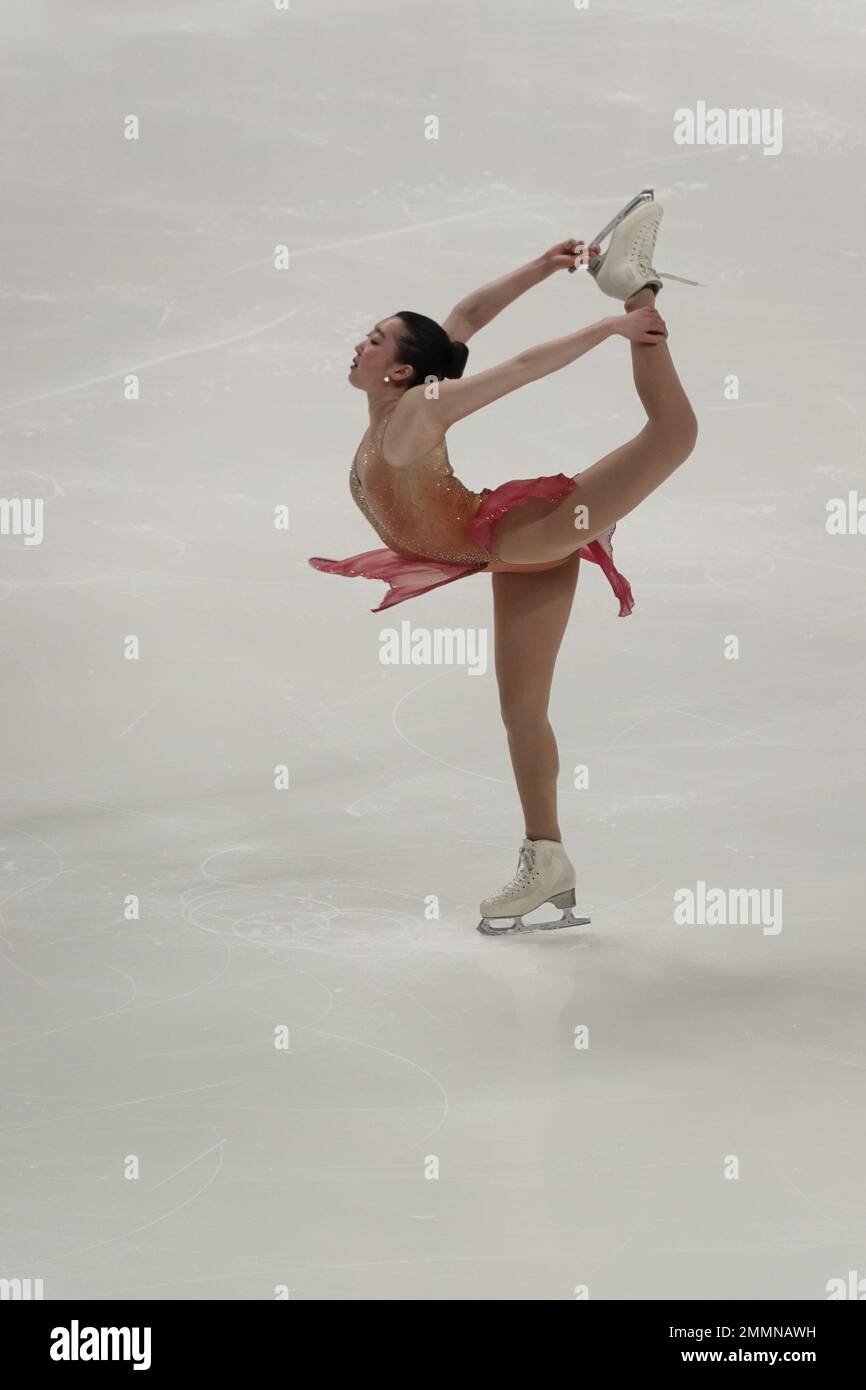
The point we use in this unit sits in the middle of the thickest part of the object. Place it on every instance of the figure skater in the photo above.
(529, 534)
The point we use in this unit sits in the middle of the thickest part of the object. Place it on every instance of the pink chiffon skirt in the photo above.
(407, 577)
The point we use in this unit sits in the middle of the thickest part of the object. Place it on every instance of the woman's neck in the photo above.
(381, 405)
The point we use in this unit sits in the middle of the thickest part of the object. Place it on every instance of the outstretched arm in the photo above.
(457, 398)
(476, 310)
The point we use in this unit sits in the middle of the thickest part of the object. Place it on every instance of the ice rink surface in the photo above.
(430, 1124)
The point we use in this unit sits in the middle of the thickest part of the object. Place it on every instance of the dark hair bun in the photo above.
(459, 354)
(428, 350)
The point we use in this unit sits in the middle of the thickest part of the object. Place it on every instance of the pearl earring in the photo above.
(387, 378)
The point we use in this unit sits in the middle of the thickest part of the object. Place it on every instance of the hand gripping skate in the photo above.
(626, 266)
(544, 875)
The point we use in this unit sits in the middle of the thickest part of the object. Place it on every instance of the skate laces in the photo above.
(525, 873)
(643, 246)
(642, 254)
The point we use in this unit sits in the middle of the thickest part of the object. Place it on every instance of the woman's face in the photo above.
(374, 356)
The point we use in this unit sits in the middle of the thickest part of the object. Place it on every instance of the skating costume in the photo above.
(436, 530)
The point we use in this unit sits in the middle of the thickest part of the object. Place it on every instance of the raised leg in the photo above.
(619, 482)
(531, 612)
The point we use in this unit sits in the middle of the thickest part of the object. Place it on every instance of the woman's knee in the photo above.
(690, 428)
(523, 715)
(677, 433)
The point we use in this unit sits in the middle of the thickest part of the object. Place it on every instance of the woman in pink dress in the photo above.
(531, 533)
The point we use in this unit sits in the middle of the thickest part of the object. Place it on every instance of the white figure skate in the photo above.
(626, 266)
(544, 875)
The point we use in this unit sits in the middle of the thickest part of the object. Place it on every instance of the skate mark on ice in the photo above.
(454, 767)
(147, 1225)
(151, 362)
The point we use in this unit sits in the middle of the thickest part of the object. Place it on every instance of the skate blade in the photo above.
(487, 926)
(645, 196)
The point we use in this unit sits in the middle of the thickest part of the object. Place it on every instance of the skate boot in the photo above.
(645, 195)
(544, 875)
(626, 266)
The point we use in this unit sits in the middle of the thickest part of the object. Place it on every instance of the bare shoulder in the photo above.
(414, 428)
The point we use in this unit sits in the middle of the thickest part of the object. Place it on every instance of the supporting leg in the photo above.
(531, 612)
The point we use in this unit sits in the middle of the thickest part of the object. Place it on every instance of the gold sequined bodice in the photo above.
(416, 509)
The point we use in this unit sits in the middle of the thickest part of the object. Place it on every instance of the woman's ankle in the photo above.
(644, 297)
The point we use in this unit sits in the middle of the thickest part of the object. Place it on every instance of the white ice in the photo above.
(431, 1131)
